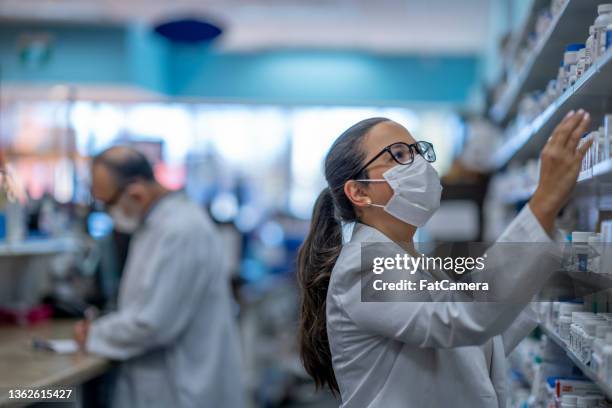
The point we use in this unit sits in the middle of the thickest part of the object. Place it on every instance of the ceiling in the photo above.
(385, 26)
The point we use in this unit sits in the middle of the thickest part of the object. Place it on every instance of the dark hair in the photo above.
(126, 163)
(321, 248)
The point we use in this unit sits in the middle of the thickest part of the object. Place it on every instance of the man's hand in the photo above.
(81, 331)
(560, 162)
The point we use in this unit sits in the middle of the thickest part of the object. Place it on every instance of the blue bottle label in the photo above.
(582, 262)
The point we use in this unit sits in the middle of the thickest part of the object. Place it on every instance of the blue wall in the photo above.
(321, 77)
(136, 56)
(81, 54)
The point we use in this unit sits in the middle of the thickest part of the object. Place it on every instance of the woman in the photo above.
(413, 354)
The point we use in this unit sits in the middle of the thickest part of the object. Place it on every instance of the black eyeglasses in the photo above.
(403, 153)
(115, 197)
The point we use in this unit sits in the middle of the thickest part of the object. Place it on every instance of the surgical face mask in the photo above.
(123, 222)
(416, 191)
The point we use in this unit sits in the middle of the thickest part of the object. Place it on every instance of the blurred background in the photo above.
(237, 102)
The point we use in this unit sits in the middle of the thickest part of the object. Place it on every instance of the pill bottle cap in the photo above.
(580, 236)
(594, 239)
(589, 327)
(574, 47)
(604, 8)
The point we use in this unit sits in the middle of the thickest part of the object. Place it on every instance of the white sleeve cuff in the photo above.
(97, 343)
(92, 345)
(526, 228)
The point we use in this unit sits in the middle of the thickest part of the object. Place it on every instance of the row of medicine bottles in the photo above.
(524, 178)
(521, 54)
(577, 59)
(590, 251)
(588, 336)
(555, 381)
(600, 149)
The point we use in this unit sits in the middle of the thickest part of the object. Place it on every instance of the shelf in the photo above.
(586, 370)
(527, 26)
(586, 93)
(37, 247)
(601, 172)
(571, 25)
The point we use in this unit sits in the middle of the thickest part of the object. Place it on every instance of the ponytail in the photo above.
(316, 259)
(321, 248)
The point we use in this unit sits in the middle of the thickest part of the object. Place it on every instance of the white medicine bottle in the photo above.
(604, 18)
(589, 45)
(580, 248)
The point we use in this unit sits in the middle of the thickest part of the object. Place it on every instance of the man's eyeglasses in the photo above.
(114, 199)
(403, 153)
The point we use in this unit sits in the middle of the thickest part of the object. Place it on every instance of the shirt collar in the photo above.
(159, 205)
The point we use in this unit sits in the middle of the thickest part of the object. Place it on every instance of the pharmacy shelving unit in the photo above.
(37, 247)
(522, 33)
(593, 91)
(571, 25)
(586, 370)
(599, 173)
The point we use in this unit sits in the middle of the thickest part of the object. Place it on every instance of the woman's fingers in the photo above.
(578, 132)
(563, 131)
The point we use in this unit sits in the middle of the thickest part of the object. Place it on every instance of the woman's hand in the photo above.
(80, 333)
(560, 162)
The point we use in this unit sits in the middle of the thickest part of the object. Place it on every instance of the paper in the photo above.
(63, 346)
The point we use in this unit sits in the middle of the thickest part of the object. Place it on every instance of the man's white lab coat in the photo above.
(174, 332)
(431, 354)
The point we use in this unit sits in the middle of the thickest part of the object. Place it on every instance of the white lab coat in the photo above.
(430, 354)
(174, 332)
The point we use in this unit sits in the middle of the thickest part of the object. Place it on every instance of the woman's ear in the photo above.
(357, 194)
